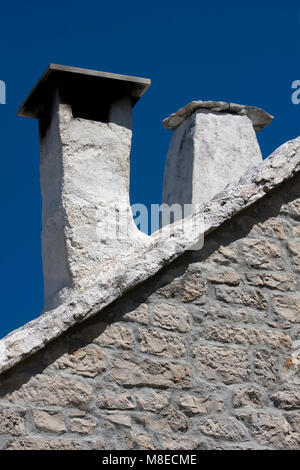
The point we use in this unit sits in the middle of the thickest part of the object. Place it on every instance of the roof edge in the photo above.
(165, 246)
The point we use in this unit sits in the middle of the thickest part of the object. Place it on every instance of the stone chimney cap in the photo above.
(259, 117)
(90, 87)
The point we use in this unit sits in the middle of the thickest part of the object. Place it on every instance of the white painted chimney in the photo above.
(213, 144)
(85, 141)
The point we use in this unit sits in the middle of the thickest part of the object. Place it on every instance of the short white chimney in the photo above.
(214, 143)
(85, 141)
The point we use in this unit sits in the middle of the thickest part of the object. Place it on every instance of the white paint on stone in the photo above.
(210, 149)
(87, 220)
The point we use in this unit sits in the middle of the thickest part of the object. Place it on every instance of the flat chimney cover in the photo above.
(89, 92)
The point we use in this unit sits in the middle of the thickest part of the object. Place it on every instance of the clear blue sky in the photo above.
(191, 50)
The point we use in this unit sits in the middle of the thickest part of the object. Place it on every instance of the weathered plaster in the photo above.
(86, 218)
(208, 151)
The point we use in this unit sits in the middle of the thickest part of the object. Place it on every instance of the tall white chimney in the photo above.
(214, 143)
(85, 141)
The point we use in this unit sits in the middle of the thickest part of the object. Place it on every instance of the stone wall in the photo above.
(205, 355)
